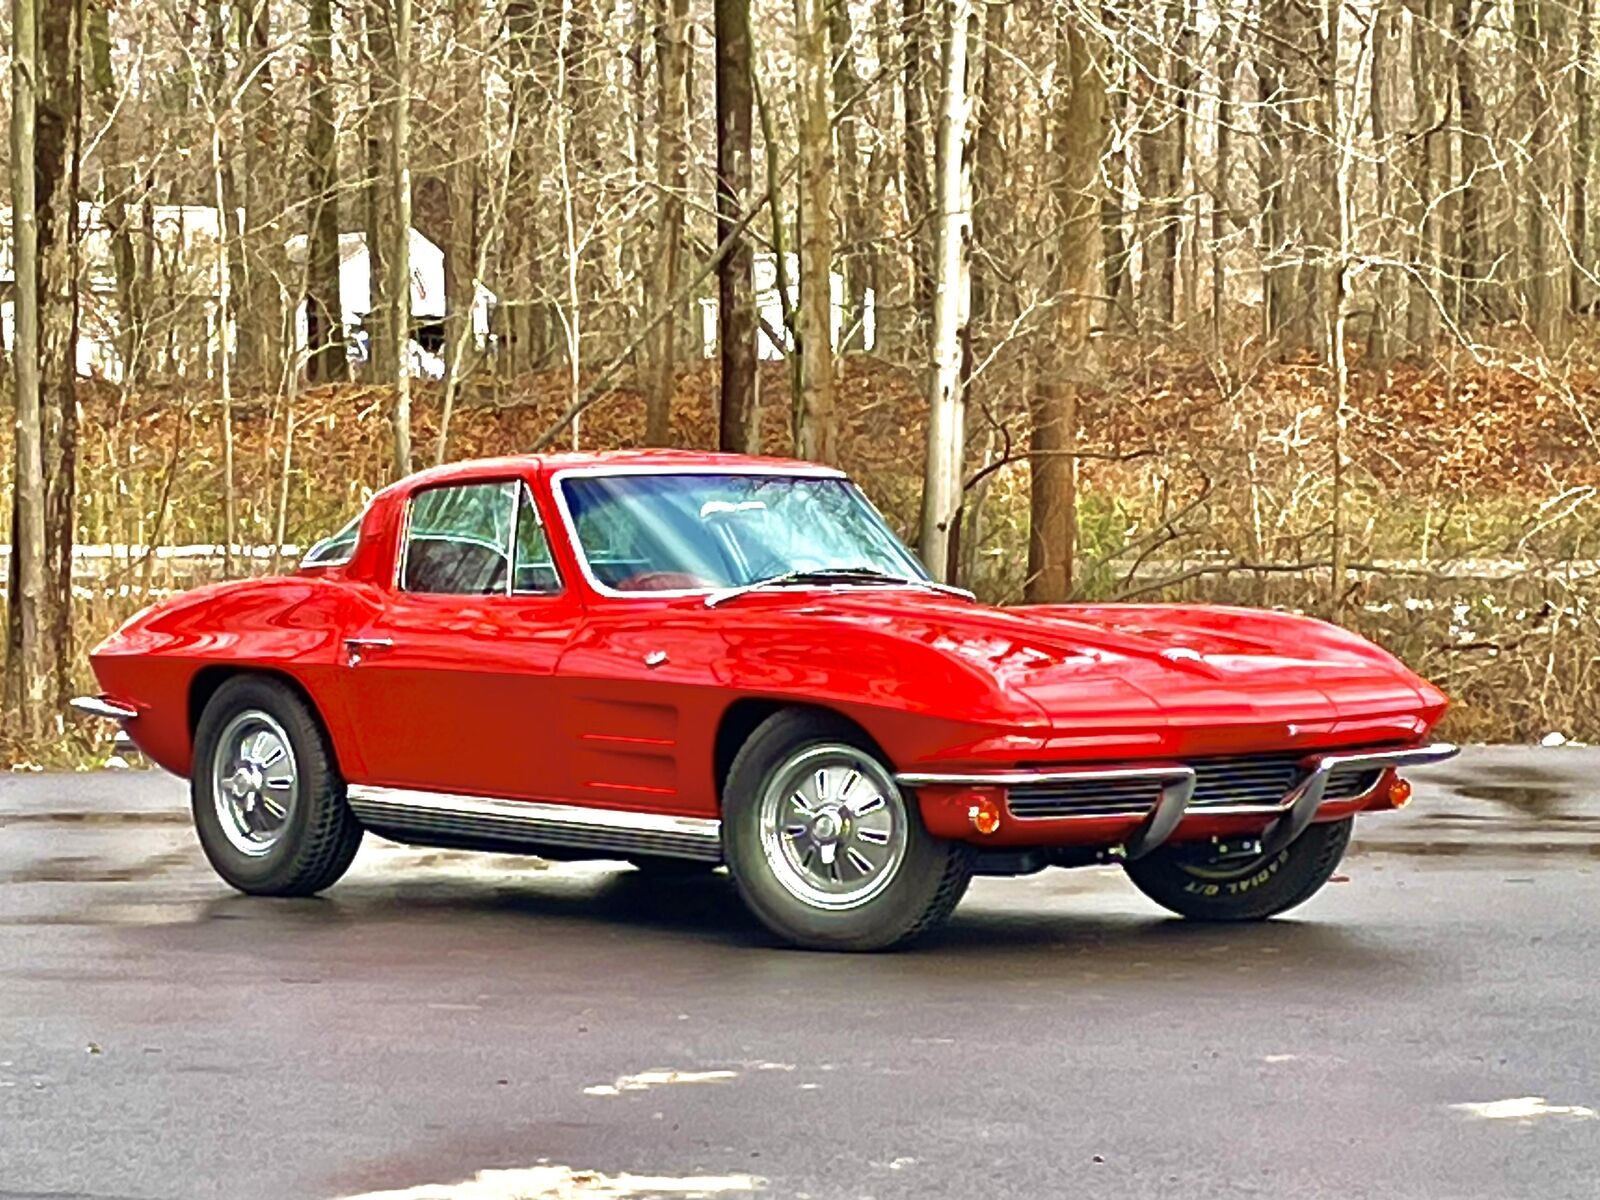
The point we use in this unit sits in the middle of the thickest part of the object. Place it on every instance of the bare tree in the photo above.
(945, 470)
(59, 117)
(398, 255)
(326, 361)
(738, 424)
(815, 433)
(464, 180)
(29, 659)
(672, 61)
(1077, 144)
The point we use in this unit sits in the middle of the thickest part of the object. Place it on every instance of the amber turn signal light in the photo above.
(984, 815)
(1399, 792)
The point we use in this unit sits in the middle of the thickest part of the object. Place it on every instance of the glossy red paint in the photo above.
(615, 701)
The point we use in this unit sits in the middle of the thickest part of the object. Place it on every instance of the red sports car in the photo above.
(687, 660)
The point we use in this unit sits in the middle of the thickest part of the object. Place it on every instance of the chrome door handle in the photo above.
(355, 648)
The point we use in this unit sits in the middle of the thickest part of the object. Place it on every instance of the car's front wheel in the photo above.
(825, 848)
(268, 801)
(1195, 880)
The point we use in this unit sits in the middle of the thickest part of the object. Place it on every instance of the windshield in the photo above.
(703, 532)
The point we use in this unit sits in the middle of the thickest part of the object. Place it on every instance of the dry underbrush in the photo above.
(1466, 497)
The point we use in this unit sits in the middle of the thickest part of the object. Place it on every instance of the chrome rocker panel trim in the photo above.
(96, 706)
(1290, 817)
(422, 815)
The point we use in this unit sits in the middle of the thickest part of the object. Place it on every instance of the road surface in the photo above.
(450, 1025)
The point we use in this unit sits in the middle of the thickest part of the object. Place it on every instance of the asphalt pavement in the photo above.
(461, 1026)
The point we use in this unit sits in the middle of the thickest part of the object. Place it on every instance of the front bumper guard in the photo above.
(1301, 805)
(1289, 818)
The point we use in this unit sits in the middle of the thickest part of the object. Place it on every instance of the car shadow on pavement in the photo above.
(704, 916)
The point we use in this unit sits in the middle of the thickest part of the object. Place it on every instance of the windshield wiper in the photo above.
(829, 575)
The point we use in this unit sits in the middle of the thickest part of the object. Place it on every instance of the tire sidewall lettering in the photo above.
(1257, 878)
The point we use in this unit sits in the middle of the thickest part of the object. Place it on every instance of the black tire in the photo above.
(1178, 878)
(319, 835)
(918, 894)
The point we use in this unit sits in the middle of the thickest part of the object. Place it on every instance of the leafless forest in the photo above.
(1255, 301)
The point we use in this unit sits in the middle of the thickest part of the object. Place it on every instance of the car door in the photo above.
(451, 683)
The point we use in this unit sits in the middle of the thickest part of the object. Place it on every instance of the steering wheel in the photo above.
(661, 581)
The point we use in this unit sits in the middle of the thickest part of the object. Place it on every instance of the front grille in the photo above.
(1261, 780)
(1084, 798)
(1268, 779)
(1245, 779)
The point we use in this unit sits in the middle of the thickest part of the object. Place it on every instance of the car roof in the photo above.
(603, 460)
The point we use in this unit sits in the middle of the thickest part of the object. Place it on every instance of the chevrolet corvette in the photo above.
(689, 661)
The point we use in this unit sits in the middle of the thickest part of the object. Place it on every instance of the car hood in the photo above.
(1178, 679)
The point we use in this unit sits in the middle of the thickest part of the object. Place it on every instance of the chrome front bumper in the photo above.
(96, 706)
(1289, 817)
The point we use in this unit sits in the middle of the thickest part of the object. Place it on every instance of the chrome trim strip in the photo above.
(1416, 756)
(914, 779)
(96, 706)
(421, 813)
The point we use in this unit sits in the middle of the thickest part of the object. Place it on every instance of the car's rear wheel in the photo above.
(268, 801)
(1198, 881)
(823, 845)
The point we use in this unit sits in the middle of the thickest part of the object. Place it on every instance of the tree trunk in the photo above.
(1155, 187)
(847, 102)
(737, 426)
(918, 216)
(119, 182)
(1471, 255)
(1274, 249)
(945, 464)
(815, 434)
(1535, 25)
(1582, 157)
(30, 657)
(1430, 137)
(1382, 332)
(1221, 188)
(263, 261)
(524, 324)
(1118, 259)
(326, 361)
(399, 238)
(1177, 145)
(378, 126)
(672, 176)
(59, 125)
(989, 175)
(223, 330)
(461, 254)
(1079, 132)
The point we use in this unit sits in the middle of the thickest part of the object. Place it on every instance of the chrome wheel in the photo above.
(253, 782)
(833, 826)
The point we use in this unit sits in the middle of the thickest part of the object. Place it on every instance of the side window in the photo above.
(331, 551)
(458, 539)
(535, 570)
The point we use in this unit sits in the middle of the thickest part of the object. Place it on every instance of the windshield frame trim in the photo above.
(570, 529)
